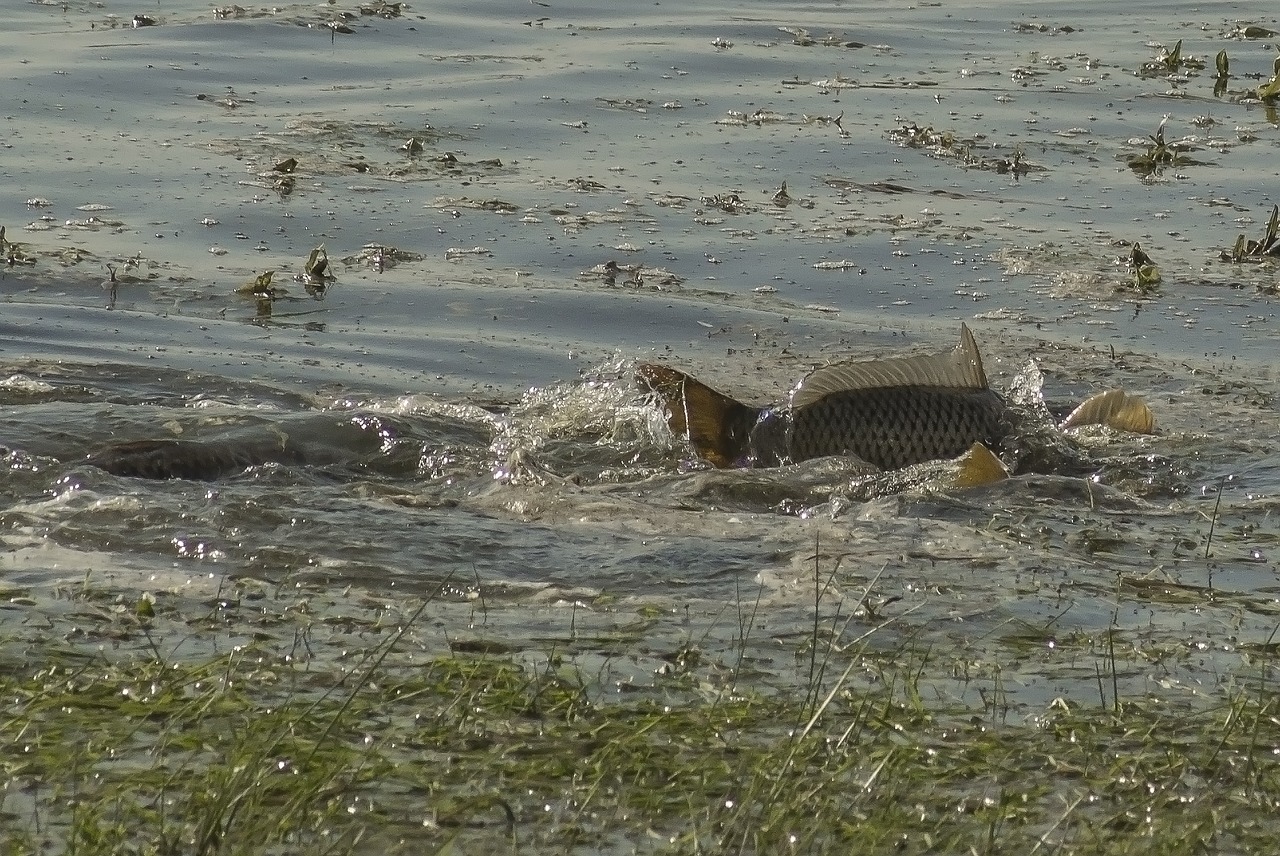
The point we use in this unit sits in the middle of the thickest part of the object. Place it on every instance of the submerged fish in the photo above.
(891, 413)
(198, 460)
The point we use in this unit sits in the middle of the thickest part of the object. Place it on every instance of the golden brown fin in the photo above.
(1115, 410)
(718, 427)
(979, 466)
(959, 368)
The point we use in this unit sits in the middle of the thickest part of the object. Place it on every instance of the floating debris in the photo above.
(638, 105)
(382, 9)
(230, 101)
(286, 166)
(800, 36)
(413, 146)
(459, 252)
(730, 203)
(633, 275)
(381, 257)
(586, 185)
(497, 205)
(143, 21)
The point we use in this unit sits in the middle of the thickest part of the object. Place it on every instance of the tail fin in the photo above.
(718, 427)
(1115, 410)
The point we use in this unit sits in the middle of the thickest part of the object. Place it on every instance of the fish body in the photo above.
(891, 413)
(890, 427)
(190, 459)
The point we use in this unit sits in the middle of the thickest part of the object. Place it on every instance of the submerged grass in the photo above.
(267, 737)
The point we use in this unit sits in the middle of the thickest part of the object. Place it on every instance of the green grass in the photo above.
(241, 727)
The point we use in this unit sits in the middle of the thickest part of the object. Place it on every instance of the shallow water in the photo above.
(467, 405)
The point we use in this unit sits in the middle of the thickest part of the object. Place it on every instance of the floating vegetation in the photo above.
(1146, 275)
(1270, 91)
(315, 272)
(633, 276)
(1170, 62)
(1160, 155)
(1222, 68)
(455, 253)
(381, 257)
(635, 105)
(1251, 31)
(1027, 27)
(945, 144)
(842, 264)
(730, 203)
(382, 9)
(802, 37)
(260, 286)
(499, 206)
(760, 117)
(1246, 249)
(827, 120)
(780, 197)
(230, 100)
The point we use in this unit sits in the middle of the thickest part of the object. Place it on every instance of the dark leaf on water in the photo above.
(1222, 64)
(259, 286)
(317, 264)
(1138, 256)
(1273, 230)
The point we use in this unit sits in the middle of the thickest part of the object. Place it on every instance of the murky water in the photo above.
(462, 388)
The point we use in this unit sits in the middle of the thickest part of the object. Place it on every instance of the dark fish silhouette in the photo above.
(891, 413)
(198, 460)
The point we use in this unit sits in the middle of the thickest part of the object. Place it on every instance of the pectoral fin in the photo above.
(979, 466)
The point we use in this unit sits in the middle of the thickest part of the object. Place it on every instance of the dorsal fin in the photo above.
(959, 368)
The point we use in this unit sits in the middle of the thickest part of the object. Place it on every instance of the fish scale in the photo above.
(889, 427)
